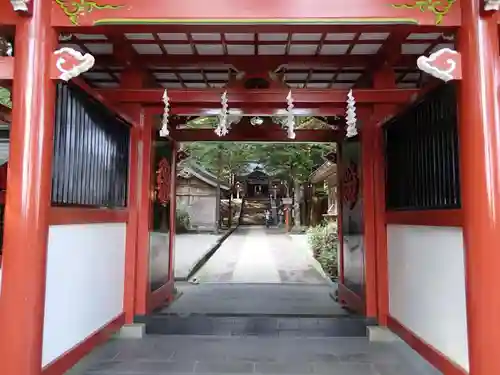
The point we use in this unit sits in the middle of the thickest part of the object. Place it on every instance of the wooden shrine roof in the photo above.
(315, 60)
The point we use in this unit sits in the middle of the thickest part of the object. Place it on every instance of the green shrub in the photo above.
(324, 241)
(182, 221)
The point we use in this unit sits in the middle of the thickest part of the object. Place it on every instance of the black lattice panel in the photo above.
(91, 152)
(422, 169)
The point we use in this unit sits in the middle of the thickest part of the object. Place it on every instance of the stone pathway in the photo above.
(213, 355)
(189, 248)
(262, 307)
(256, 299)
(259, 271)
(256, 255)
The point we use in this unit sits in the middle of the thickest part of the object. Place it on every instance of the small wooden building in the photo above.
(323, 191)
(197, 193)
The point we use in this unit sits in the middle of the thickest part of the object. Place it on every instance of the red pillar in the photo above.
(173, 209)
(383, 79)
(368, 188)
(144, 214)
(132, 79)
(479, 139)
(26, 216)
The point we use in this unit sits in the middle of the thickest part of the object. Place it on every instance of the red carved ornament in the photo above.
(163, 182)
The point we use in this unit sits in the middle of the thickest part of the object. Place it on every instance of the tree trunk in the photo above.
(230, 218)
(296, 204)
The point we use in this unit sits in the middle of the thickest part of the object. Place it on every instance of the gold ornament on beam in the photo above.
(76, 8)
(440, 8)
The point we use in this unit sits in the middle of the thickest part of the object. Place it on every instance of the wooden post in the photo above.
(29, 178)
(287, 218)
(144, 190)
(479, 140)
(132, 78)
(173, 210)
(383, 79)
(218, 217)
(368, 189)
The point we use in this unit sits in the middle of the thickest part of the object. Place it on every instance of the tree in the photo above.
(221, 158)
(224, 159)
(5, 97)
(294, 161)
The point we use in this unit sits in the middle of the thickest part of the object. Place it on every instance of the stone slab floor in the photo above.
(255, 272)
(213, 355)
(189, 248)
(253, 254)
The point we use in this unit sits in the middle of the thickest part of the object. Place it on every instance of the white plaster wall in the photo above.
(427, 286)
(159, 256)
(85, 282)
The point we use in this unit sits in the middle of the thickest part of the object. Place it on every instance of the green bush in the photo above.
(182, 221)
(324, 241)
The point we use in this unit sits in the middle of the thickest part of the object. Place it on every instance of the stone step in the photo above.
(288, 326)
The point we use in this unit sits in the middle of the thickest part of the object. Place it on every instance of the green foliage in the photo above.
(221, 158)
(5, 97)
(182, 221)
(324, 241)
(202, 122)
(293, 161)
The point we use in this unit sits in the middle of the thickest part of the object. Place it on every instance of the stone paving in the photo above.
(189, 248)
(177, 355)
(254, 255)
(256, 299)
(259, 272)
(278, 303)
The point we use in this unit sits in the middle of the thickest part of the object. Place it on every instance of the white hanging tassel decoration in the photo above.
(290, 117)
(222, 129)
(350, 119)
(164, 132)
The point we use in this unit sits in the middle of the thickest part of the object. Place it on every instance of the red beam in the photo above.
(252, 12)
(322, 111)
(262, 98)
(7, 14)
(390, 54)
(104, 101)
(245, 28)
(256, 135)
(335, 110)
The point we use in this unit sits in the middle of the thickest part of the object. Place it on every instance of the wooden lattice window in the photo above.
(421, 145)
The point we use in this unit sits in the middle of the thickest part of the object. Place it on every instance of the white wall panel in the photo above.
(427, 286)
(85, 283)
